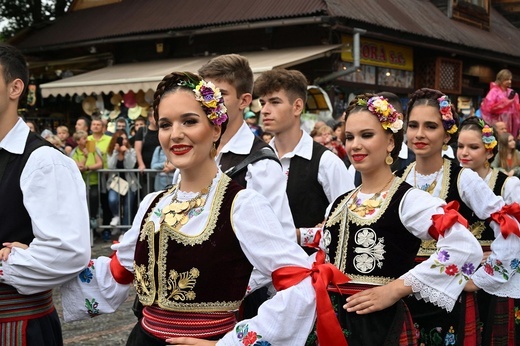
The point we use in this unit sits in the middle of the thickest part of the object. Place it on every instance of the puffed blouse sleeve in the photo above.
(441, 278)
(286, 318)
(500, 274)
(105, 283)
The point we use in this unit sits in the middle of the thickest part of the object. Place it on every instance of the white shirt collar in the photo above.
(302, 149)
(14, 141)
(240, 143)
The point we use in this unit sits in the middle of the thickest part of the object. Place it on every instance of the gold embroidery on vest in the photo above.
(144, 278)
(181, 285)
(175, 290)
(477, 228)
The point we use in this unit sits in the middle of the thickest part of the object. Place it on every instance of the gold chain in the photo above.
(368, 205)
(177, 213)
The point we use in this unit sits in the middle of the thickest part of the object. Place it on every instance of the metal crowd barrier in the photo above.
(146, 179)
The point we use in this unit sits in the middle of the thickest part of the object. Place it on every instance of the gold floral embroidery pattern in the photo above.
(338, 213)
(144, 278)
(181, 285)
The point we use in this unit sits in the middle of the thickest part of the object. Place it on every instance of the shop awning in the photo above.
(146, 75)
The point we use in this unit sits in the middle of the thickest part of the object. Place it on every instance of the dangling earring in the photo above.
(389, 160)
(444, 147)
(486, 165)
(213, 151)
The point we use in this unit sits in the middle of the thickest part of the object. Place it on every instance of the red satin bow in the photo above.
(120, 274)
(327, 326)
(442, 222)
(508, 225)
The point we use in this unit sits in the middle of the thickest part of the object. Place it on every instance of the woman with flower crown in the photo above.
(476, 148)
(192, 248)
(432, 124)
(373, 234)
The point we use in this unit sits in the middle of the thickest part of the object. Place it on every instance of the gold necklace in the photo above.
(177, 213)
(369, 205)
(428, 188)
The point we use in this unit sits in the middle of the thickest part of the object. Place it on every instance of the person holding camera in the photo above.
(502, 103)
(121, 156)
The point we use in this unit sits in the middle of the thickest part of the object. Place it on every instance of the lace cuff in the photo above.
(428, 293)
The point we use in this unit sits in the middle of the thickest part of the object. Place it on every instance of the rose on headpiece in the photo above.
(487, 135)
(447, 116)
(385, 112)
(211, 100)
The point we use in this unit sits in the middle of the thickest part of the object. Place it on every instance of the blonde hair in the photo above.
(325, 129)
(55, 140)
(503, 75)
(79, 134)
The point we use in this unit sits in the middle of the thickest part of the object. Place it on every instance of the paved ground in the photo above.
(109, 330)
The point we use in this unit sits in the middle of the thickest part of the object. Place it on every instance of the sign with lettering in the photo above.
(377, 53)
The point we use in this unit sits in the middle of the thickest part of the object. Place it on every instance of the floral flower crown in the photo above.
(210, 98)
(385, 112)
(447, 116)
(487, 135)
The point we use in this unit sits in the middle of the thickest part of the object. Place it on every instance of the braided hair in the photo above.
(354, 107)
(179, 81)
(429, 97)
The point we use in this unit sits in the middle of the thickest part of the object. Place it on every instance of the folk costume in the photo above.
(498, 312)
(35, 178)
(193, 268)
(478, 203)
(374, 238)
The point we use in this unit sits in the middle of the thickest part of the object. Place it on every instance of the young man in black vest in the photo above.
(43, 205)
(315, 175)
(232, 74)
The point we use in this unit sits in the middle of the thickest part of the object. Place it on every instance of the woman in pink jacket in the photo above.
(502, 103)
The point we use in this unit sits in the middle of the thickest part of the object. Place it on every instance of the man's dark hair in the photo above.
(13, 65)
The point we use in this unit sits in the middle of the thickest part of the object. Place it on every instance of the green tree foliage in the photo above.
(16, 15)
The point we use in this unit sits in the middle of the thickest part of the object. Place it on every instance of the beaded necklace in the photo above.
(368, 206)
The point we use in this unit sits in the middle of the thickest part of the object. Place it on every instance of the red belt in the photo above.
(16, 309)
(165, 324)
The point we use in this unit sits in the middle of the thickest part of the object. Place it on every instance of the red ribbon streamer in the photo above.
(508, 225)
(316, 241)
(327, 326)
(120, 274)
(442, 222)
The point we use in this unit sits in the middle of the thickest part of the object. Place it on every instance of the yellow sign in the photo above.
(377, 53)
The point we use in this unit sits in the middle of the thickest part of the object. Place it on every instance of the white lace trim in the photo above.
(427, 293)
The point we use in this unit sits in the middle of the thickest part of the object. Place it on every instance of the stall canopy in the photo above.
(146, 75)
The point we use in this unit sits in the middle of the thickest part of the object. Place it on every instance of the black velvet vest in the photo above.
(207, 272)
(372, 251)
(307, 200)
(230, 159)
(15, 222)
